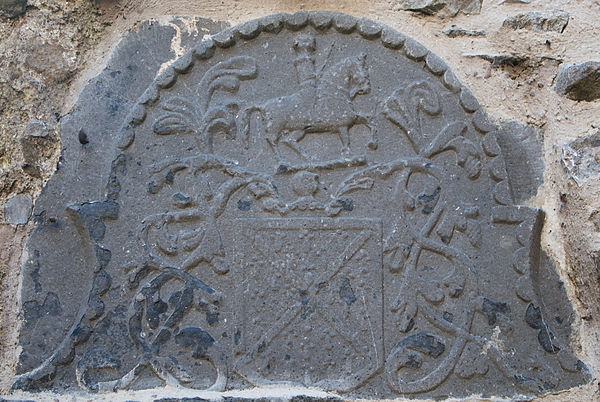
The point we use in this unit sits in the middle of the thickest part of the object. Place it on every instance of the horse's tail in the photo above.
(244, 123)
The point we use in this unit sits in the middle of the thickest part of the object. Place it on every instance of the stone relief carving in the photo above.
(353, 231)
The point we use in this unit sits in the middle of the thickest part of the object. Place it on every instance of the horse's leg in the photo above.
(292, 139)
(297, 135)
(344, 134)
(274, 145)
(368, 121)
(273, 133)
(373, 143)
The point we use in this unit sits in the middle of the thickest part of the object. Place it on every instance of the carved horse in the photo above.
(325, 107)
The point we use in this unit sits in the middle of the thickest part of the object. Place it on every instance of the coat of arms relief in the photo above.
(310, 206)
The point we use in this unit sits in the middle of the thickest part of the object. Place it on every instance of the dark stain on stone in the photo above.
(448, 316)
(491, 309)
(425, 343)
(533, 318)
(346, 293)
(306, 312)
(195, 338)
(261, 348)
(82, 137)
(33, 310)
(35, 272)
(212, 317)
(429, 200)
(81, 334)
(103, 256)
(244, 205)
(413, 361)
(346, 203)
(163, 337)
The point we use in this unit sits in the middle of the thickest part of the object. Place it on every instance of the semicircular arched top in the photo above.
(321, 21)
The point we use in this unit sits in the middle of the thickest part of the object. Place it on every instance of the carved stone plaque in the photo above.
(307, 199)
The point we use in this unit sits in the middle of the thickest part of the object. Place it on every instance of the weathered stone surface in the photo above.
(579, 82)
(454, 31)
(36, 128)
(58, 33)
(264, 395)
(579, 209)
(449, 7)
(581, 157)
(522, 150)
(226, 227)
(18, 209)
(550, 20)
(13, 8)
(497, 60)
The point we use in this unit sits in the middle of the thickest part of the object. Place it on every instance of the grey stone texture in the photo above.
(13, 8)
(522, 150)
(450, 7)
(547, 20)
(215, 224)
(454, 31)
(497, 60)
(37, 129)
(300, 397)
(581, 157)
(18, 209)
(580, 82)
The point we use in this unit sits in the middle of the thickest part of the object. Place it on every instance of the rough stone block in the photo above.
(579, 82)
(18, 209)
(455, 31)
(449, 7)
(581, 157)
(13, 8)
(550, 20)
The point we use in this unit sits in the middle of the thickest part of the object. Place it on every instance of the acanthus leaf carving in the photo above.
(205, 118)
(181, 117)
(404, 108)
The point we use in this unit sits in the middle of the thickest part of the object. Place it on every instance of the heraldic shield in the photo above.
(309, 300)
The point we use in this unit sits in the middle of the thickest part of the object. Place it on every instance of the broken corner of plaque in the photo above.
(307, 200)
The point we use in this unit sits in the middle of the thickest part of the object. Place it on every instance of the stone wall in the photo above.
(514, 55)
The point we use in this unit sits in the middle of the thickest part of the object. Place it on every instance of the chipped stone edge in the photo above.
(174, 393)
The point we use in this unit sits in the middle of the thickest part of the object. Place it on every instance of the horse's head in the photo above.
(350, 74)
(360, 84)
